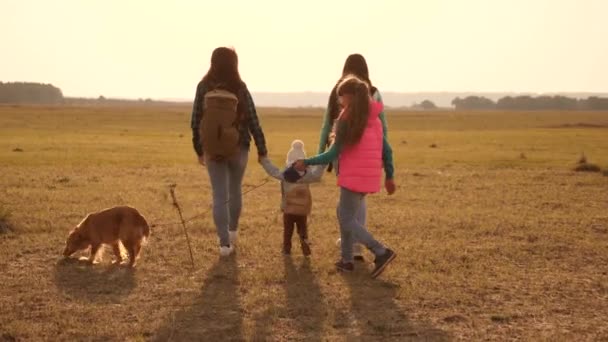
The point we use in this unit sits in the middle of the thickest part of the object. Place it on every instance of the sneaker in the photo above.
(344, 266)
(382, 261)
(305, 247)
(358, 252)
(226, 250)
(233, 235)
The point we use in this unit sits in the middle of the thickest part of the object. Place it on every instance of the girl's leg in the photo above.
(361, 218)
(350, 229)
(288, 226)
(346, 241)
(218, 175)
(236, 171)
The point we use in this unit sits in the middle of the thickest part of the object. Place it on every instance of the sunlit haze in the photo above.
(160, 49)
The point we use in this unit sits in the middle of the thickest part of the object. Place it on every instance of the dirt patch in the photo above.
(587, 167)
(578, 125)
(5, 224)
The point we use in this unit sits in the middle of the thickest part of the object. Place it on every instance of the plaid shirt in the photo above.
(250, 126)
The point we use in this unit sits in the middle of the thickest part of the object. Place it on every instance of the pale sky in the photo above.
(160, 49)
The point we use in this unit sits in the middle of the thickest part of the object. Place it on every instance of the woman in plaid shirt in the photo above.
(226, 176)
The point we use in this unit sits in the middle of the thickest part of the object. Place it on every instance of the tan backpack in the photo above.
(298, 200)
(219, 128)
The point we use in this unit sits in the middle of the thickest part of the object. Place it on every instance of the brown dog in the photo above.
(110, 226)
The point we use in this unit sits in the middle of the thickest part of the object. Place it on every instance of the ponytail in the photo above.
(357, 114)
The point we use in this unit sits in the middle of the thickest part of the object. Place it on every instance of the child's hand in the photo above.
(390, 186)
(201, 160)
(299, 165)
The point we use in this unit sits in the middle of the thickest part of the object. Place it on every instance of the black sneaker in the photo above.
(345, 266)
(359, 258)
(305, 247)
(382, 261)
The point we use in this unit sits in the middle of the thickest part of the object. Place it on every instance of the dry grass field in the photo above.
(497, 238)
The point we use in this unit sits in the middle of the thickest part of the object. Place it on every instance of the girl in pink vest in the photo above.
(361, 149)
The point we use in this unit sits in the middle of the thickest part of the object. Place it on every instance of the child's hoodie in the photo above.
(296, 198)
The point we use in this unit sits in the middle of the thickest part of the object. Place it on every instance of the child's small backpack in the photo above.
(219, 128)
(298, 200)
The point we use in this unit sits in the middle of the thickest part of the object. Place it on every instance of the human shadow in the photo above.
(82, 281)
(301, 317)
(305, 304)
(215, 315)
(380, 318)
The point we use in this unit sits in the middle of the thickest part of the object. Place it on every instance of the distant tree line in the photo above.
(531, 103)
(36, 93)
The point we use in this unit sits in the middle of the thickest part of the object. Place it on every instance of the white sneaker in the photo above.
(233, 237)
(357, 248)
(226, 250)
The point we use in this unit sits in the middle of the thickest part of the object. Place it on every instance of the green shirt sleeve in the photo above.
(378, 97)
(325, 157)
(324, 132)
(387, 159)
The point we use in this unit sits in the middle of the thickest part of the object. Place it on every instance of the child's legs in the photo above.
(350, 229)
(218, 175)
(236, 171)
(288, 225)
(301, 223)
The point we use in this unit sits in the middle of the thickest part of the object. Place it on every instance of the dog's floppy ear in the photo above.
(75, 234)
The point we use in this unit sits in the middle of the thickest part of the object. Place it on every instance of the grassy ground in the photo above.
(496, 237)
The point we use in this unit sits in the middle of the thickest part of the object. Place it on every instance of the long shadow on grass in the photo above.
(215, 315)
(94, 283)
(380, 318)
(305, 303)
(304, 312)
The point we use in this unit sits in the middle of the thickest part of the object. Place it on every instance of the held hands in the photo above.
(390, 186)
(201, 160)
(299, 165)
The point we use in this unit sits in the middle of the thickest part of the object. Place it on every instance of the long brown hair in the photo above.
(356, 65)
(224, 74)
(353, 119)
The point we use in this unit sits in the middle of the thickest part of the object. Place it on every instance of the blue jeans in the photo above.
(351, 216)
(226, 183)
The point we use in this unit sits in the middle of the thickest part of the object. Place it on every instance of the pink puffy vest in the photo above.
(361, 164)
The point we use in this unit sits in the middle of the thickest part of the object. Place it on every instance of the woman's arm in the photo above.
(387, 159)
(378, 98)
(197, 116)
(325, 129)
(254, 126)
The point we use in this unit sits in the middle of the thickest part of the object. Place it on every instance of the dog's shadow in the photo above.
(93, 283)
